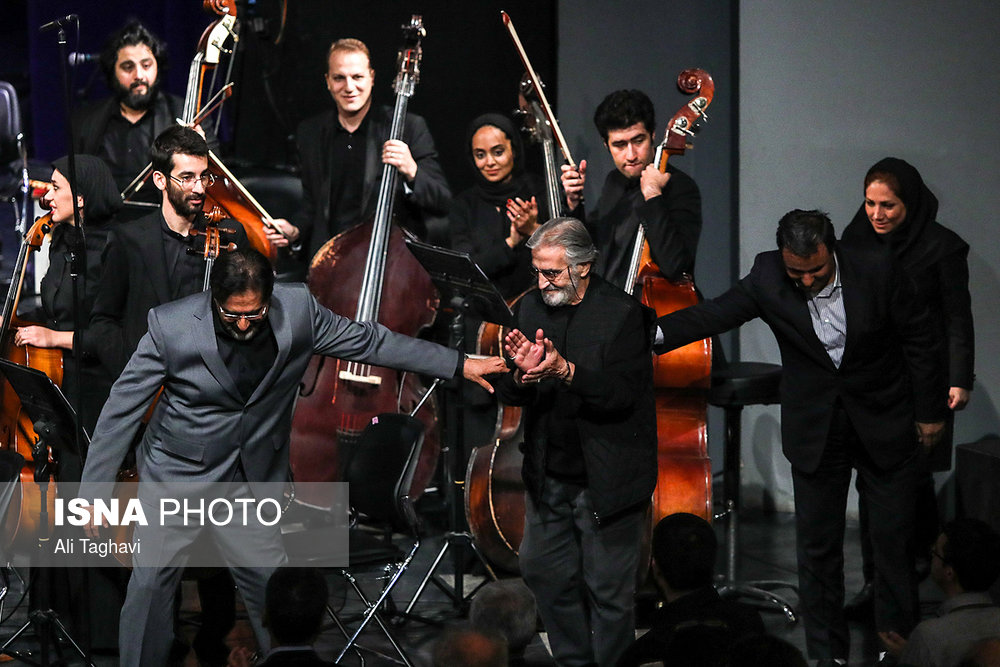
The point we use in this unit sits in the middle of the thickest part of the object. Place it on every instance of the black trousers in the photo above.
(820, 508)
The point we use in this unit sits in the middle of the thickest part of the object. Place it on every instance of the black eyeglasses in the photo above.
(939, 556)
(550, 274)
(207, 180)
(236, 317)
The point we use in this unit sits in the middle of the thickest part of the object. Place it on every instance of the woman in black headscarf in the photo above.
(98, 201)
(899, 213)
(492, 220)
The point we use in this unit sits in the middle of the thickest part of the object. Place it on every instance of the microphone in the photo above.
(81, 58)
(60, 22)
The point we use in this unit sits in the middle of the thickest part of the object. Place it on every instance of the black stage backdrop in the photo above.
(469, 65)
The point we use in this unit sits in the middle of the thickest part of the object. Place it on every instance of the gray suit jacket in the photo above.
(201, 429)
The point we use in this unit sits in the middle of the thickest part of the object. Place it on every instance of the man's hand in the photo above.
(476, 368)
(397, 153)
(290, 233)
(929, 433)
(958, 398)
(652, 181)
(573, 181)
(92, 529)
(553, 365)
(523, 352)
(893, 642)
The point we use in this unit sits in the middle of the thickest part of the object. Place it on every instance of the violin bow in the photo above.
(546, 109)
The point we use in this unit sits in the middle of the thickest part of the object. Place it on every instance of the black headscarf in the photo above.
(498, 193)
(919, 241)
(95, 184)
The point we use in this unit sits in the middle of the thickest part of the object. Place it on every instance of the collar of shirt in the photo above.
(188, 238)
(833, 285)
(971, 599)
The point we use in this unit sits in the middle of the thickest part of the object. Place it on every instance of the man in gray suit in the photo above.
(230, 361)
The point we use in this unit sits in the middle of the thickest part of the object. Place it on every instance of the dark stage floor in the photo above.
(767, 552)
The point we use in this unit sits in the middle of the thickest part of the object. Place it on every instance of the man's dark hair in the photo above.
(622, 109)
(465, 647)
(294, 603)
(972, 549)
(684, 547)
(176, 140)
(803, 232)
(241, 270)
(508, 608)
(131, 34)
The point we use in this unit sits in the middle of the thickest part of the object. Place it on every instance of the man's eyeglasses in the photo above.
(236, 317)
(550, 274)
(207, 180)
(939, 556)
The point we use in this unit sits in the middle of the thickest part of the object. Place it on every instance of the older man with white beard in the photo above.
(585, 379)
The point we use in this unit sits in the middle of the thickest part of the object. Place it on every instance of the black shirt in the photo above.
(126, 148)
(347, 173)
(565, 452)
(248, 361)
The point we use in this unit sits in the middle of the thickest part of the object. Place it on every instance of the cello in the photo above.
(16, 430)
(682, 377)
(352, 272)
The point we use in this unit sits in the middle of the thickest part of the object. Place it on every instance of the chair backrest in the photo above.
(10, 122)
(10, 112)
(380, 471)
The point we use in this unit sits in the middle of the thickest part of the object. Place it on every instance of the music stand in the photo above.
(465, 287)
(55, 424)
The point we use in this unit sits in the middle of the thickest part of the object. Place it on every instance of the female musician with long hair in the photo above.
(99, 201)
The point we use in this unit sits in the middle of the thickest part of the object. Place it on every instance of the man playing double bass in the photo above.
(668, 205)
(584, 376)
(342, 151)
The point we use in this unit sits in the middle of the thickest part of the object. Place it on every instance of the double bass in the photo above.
(367, 270)
(682, 377)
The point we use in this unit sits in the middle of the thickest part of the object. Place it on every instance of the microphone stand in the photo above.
(45, 621)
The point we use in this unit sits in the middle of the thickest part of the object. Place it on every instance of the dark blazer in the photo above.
(90, 122)
(430, 196)
(202, 428)
(891, 373)
(672, 222)
(611, 396)
(133, 281)
(84, 374)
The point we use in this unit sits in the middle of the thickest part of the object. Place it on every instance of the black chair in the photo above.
(733, 387)
(380, 473)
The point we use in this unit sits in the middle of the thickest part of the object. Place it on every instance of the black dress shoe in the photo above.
(861, 607)
(831, 662)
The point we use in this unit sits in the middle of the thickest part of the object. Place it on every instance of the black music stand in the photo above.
(464, 287)
(55, 424)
